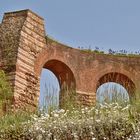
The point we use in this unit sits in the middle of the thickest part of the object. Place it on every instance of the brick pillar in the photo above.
(22, 38)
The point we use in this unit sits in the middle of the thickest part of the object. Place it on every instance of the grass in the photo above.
(111, 120)
(108, 121)
(14, 118)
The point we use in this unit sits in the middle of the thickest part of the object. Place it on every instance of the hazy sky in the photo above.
(104, 23)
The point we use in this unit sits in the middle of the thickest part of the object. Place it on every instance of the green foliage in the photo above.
(12, 126)
(5, 89)
(14, 119)
(108, 121)
(51, 40)
(121, 53)
(68, 99)
(93, 51)
(6, 93)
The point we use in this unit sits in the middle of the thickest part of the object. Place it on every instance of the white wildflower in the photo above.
(61, 111)
(83, 112)
(56, 115)
(91, 133)
(125, 108)
(98, 120)
(86, 108)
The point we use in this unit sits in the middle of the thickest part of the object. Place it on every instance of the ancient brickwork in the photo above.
(22, 38)
(9, 42)
(90, 69)
(32, 41)
(25, 50)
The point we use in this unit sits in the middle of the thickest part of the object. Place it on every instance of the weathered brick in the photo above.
(23, 44)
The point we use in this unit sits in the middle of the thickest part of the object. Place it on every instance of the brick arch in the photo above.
(64, 76)
(119, 78)
(51, 59)
(63, 73)
(50, 53)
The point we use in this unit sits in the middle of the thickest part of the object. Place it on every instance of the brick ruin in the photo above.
(25, 50)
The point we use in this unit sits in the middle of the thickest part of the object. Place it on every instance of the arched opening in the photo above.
(60, 79)
(112, 92)
(115, 87)
(49, 90)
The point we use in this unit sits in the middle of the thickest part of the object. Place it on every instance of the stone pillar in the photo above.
(22, 38)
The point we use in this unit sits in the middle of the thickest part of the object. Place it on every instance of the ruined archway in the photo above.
(119, 78)
(65, 78)
(34, 51)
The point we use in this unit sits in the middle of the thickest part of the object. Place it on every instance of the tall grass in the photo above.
(109, 120)
(50, 99)
(112, 93)
(106, 122)
(54, 99)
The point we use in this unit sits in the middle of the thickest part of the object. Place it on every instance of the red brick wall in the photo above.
(22, 33)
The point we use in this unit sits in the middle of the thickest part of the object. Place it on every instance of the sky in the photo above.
(106, 24)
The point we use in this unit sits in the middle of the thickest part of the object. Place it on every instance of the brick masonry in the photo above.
(25, 50)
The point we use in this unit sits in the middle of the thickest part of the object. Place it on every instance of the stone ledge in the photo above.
(21, 12)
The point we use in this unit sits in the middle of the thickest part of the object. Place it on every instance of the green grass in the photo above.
(14, 118)
(109, 121)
